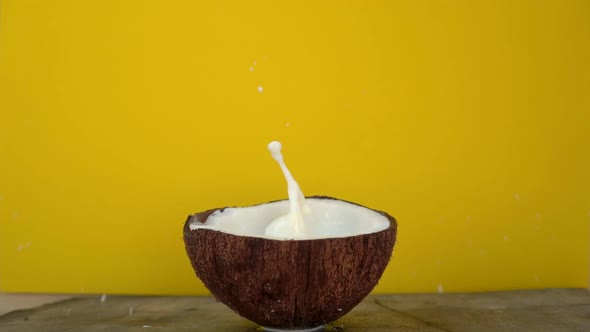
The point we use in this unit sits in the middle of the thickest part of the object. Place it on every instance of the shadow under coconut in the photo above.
(328, 327)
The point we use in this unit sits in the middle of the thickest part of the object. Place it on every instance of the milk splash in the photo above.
(291, 225)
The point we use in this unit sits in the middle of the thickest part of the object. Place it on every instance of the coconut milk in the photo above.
(291, 225)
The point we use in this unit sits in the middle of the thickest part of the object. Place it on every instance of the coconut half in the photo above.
(284, 283)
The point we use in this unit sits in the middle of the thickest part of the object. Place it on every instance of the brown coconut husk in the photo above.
(289, 284)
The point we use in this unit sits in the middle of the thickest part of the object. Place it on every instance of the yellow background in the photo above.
(467, 120)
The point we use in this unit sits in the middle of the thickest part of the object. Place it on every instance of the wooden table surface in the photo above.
(542, 310)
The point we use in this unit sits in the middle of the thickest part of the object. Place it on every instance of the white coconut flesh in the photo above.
(322, 218)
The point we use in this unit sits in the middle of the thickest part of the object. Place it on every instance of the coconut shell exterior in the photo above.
(291, 284)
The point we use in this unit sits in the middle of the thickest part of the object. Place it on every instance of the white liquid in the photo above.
(326, 218)
(297, 218)
(291, 225)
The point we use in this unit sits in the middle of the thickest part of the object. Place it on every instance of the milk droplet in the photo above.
(260, 88)
(130, 311)
(103, 298)
(251, 68)
(440, 289)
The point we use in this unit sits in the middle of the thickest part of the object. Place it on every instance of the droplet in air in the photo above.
(517, 197)
(251, 69)
(103, 298)
(68, 312)
(130, 311)
(482, 252)
(537, 278)
(20, 247)
(440, 289)
(260, 88)
(506, 237)
(146, 326)
(288, 124)
(468, 219)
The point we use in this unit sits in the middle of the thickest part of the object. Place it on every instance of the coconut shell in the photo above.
(289, 284)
